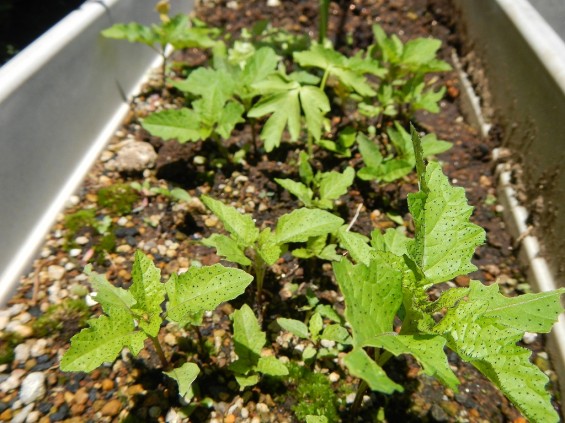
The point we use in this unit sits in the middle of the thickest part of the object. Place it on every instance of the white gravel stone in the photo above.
(81, 240)
(262, 408)
(24, 317)
(33, 417)
(21, 353)
(4, 322)
(273, 3)
(33, 387)
(529, 337)
(39, 347)
(55, 272)
(13, 381)
(134, 156)
(334, 377)
(75, 252)
(21, 417)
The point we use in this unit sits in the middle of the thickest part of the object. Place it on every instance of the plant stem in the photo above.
(323, 23)
(325, 79)
(361, 389)
(164, 362)
(310, 145)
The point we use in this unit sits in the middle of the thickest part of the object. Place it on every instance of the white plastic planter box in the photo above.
(520, 45)
(61, 99)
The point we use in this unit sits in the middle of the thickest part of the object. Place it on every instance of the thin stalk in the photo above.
(323, 23)
(310, 145)
(325, 79)
(361, 389)
(164, 362)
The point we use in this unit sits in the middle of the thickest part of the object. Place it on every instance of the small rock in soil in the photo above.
(133, 156)
(112, 408)
(33, 387)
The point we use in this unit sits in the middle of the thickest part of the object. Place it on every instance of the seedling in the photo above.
(319, 190)
(175, 194)
(134, 315)
(249, 341)
(253, 249)
(399, 159)
(391, 278)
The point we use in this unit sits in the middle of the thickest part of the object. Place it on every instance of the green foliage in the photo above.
(175, 194)
(320, 190)
(105, 240)
(8, 341)
(399, 159)
(481, 325)
(404, 88)
(131, 316)
(246, 245)
(312, 393)
(118, 198)
(249, 341)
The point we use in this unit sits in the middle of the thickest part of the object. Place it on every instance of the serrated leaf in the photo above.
(357, 245)
(393, 240)
(259, 66)
(111, 298)
(230, 116)
(298, 189)
(184, 376)
(239, 225)
(335, 184)
(302, 224)
(271, 366)
(296, 327)
(227, 248)
(182, 125)
(420, 51)
(132, 32)
(102, 342)
(315, 325)
(373, 294)
(427, 349)
(483, 328)
(268, 248)
(336, 333)
(315, 105)
(445, 238)
(148, 292)
(362, 366)
(284, 106)
(202, 289)
(248, 338)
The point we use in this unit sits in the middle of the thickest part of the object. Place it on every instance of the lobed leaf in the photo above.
(111, 298)
(362, 366)
(373, 294)
(182, 125)
(227, 248)
(202, 289)
(239, 225)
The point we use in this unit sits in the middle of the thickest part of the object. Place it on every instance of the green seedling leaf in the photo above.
(111, 298)
(296, 327)
(248, 340)
(362, 366)
(184, 376)
(315, 105)
(262, 64)
(336, 333)
(181, 125)
(271, 366)
(304, 169)
(357, 245)
(316, 419)
(180, 194)
(132, 32)
(239, 225)
(227, 248)
(302, 224)
(394, 241)
(370, 151)
(268, 248)
(373, 295)
(445, 238)
(245, 381)
(316, 324)
(148, 292)
(201, 289)
(421, 52)
(483, 328)
(335, 184)
(298, 189)
(229, 117)
(427, 349)
(102, 342)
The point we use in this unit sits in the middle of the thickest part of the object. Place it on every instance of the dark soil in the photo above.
(169, 233)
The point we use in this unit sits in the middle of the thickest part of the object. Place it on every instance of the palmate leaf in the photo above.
(102, 342)
(302, 224)
(427, 349)
(182, 125)
(184, 376)
(483, 328)
(203, 289)
(239, 225)
(148, 292)
(362, 366)
(373, 294)
(445, 238)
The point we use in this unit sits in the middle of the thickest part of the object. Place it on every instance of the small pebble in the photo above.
(21, 353)
(82, 240)
(33, 387)
(111, 408)
(262, 408)
(55, 272)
